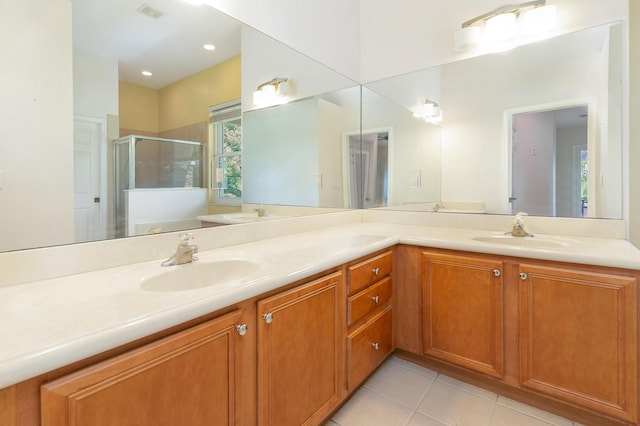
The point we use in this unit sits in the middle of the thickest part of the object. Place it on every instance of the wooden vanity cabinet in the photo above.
(300, 353)
(578, 334)
(369, 316)
(463, 311)
(192, 377)
(566, 332)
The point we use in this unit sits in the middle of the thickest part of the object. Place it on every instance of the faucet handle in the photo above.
(185, 237)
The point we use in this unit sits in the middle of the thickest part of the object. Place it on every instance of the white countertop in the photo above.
(52, 323)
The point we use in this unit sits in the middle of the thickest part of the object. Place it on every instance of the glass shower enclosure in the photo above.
(154, 163)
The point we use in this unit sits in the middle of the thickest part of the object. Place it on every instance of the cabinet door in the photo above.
(463, 311)
(185, 379)
(578, 338)
(298, 356)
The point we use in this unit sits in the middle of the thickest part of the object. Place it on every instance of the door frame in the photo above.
(592, 144)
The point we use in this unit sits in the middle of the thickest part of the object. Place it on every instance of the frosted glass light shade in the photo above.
(265, 96)
(500, 27)
(539, 20)
(467, 38)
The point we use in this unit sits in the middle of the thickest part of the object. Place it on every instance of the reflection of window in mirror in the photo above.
(226, 154)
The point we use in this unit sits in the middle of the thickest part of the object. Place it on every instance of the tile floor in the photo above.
(404, 394)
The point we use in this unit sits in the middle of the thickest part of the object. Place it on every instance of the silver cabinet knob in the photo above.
(376, 271)
(523, 276)
(376, 346)
(268, 318)
(496, 272)
(241, 329)
(376, 299)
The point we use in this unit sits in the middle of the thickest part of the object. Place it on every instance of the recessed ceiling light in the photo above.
(209, 46)
(147, 73)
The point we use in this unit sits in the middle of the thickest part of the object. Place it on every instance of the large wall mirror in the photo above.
(534, 129)
(112, 100)
(296, 156)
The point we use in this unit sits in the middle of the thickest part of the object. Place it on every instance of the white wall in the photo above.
(264, 58)
(95, 85)
(477, 92)
(328, 31)
(401, 37)
(36, 129)
(280, 159)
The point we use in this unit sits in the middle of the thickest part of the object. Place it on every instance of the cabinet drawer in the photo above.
(367, 300)
(368, 346)
(369, 271)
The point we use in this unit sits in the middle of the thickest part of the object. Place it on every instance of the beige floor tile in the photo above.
(400, 384)
(419, 419)
(413, 367)
(482, 393)
(534, 412)
(368, 408)
(505, 416)
(452, 405)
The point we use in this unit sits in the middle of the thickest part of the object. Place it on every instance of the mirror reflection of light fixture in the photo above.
(430, 112)
(502, 24)
(272, 92)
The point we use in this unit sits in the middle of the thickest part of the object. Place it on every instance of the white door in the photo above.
(87, 137)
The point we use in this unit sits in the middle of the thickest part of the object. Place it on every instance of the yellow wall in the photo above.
(187, 101)
(138, 108)
(180, 104)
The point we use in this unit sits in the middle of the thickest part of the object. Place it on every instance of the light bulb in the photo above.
(500, 27)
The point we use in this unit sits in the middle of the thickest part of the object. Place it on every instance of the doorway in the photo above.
(550, 161)
(366, 168)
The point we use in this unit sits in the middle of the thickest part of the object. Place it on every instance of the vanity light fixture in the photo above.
(430, 112)
(505, 24)
(272, 92)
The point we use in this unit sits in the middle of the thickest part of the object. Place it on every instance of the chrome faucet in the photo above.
(261, 212)
(184, 252)
(518, 226)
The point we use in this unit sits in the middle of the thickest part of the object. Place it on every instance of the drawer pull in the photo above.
(376, 271)
(523, 276)
(241, 329)
(496, 272)
(376, 346)
(376, 299)
(268, 318)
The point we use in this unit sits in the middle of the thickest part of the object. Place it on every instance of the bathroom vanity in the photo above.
(555, 327)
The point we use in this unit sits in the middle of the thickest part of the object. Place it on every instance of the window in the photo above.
(226, 175)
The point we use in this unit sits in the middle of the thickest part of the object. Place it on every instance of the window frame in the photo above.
(218, 115)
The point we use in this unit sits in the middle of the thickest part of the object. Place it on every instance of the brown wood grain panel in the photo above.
(369, 271)
(188, 378)
(366, 301)
(463, 318)
(578, 338)
(299, 358)
(368, 346)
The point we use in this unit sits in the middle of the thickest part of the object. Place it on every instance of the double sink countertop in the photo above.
(51, 323)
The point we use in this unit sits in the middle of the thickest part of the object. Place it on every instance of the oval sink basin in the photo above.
(190, 276)
(529, 242)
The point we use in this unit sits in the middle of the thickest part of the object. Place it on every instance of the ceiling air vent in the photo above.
(151, 12)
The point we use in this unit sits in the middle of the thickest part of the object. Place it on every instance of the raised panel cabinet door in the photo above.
(578, 338)
(463, 311)
(185, 379)
(298, 353)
